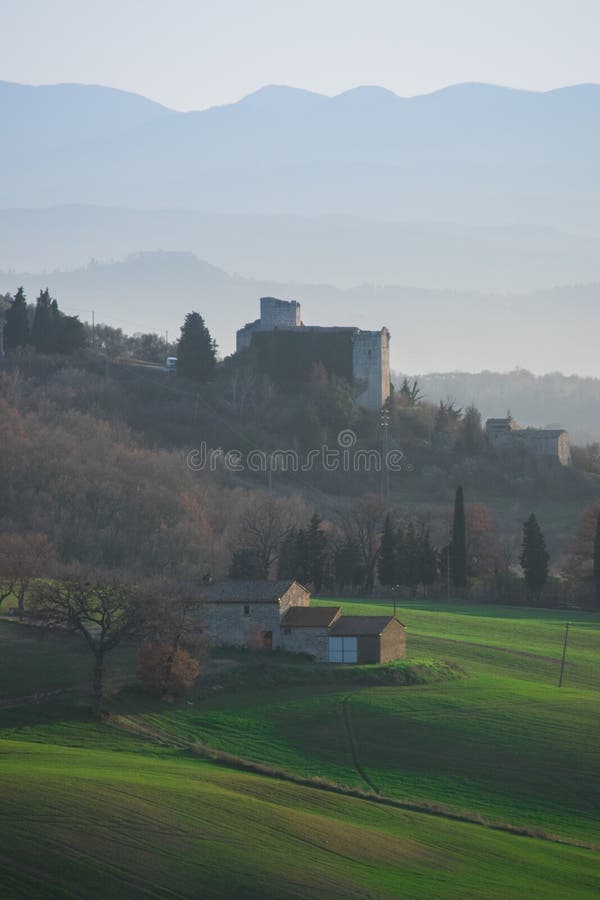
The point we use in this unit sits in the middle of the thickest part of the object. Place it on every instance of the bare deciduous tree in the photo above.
(262, 527)
(361, 525)
(103, 607)
(23, 558)
(172, 637)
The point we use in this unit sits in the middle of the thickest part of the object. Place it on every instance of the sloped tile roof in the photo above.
(310, 616)
(246, 591)
(350, 626)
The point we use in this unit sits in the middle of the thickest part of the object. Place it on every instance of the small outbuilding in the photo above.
(366, 639)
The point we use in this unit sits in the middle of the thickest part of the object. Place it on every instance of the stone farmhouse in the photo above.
(547, 443)
(277, 615)
(283, 343)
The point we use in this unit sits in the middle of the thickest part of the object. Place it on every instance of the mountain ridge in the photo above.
(494, 154)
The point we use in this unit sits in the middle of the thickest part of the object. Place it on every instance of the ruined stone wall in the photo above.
(276, 313)
(371, 366)
(564, 449)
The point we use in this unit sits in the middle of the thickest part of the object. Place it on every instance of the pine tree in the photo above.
(16, 332)
(410, 393)
(196, 350)
(458, 543)
(473, 436)
(386, 563)
(348, 567)
(287, 563)
(597, 562)
(70, 334)
(246, 565)
(534, 556)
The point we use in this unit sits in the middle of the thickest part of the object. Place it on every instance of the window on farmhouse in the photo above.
(246, 610)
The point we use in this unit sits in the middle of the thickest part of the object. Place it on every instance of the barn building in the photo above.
(271, 615)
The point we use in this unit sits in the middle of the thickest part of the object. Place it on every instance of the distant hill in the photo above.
(489, 153)
(432, 330)
(341, 250)
(54, 117)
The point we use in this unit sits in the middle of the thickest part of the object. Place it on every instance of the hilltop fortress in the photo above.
(288, 350)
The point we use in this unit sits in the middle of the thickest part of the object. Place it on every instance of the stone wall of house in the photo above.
(227, 625)
(546, 443)
(392, 643)
(313, 641)
(296, 596)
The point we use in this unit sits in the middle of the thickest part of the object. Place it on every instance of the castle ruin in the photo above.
(282, 340)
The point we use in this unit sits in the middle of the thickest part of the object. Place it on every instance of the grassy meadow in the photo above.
(473, 726)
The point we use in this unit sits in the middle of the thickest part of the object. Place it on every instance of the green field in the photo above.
(128, 808)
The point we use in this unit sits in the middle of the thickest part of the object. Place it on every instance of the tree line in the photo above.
(47, 330)
(365, 546)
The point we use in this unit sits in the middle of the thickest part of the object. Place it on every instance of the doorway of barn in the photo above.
(267, 640)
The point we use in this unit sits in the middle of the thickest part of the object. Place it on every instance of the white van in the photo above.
(171, 362)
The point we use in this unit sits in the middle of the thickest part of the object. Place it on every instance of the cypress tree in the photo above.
(597, 562)
(287, 562)
(196, 350)
(316, 552)
(458, 544)
(401, 561)
(42, 329)
(412, 558)
(245, 565)
(16, 331)
(428, 560)
(534, 556)
(386, 563)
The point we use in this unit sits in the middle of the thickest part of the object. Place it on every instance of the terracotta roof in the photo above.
(361, 625)
(246, 591)
(310, 616)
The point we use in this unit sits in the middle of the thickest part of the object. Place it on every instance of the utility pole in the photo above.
(93, 329)
(385, 446)
(1, 339)
(564, 654)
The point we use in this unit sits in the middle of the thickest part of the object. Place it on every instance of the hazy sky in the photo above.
(190, 54)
